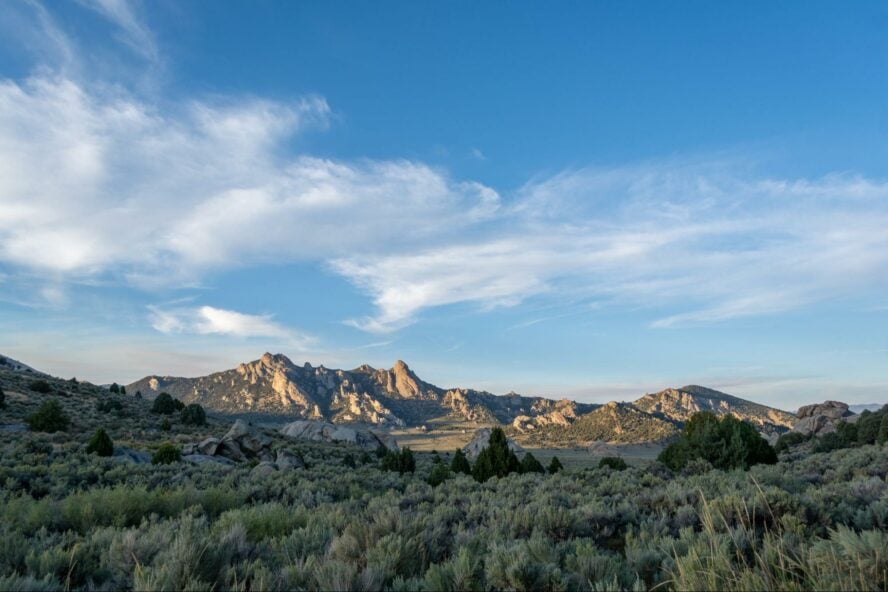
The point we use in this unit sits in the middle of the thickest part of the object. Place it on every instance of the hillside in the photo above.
(680, 404)
(393, 397)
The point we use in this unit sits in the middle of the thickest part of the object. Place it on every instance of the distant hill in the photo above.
(397, 397)
(679, 404)
(861, 407)
(8, 363)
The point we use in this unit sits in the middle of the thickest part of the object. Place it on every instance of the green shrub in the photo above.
(365, 458)
(40, 386)
(167, 453)
(614, 463)
(165, 404)
(789, 440)
(100, 443)
(48, 418)
(439, 474)
(165, 425)
(726, 443)
(2, 398)
(381, 451)
(194, 414)
(459, 463)
(349, 460)
(555, 466)
(529, 464)
(114, 388)
(109, 405)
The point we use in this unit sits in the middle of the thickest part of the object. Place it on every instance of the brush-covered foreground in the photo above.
(73, 520)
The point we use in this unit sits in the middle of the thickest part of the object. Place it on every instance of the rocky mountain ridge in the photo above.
(397, 397)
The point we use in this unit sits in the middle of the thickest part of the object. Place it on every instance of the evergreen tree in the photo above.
(529, 464)
(165, 404)
(725, 443)
(459, 463)
(167, 453)
(100, 443)
(615, 463)
(555, 466)
(122, 390)
(114, 388)
(349, 460)
(440, 473)
(48, 418)
(381, 451)
(165, 425)
(194, 414)
(483, 469)
(2, 398)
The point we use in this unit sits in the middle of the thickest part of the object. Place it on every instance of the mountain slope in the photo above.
(679, 404)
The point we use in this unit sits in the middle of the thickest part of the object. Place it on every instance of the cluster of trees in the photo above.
(402, 462)
(870, 428)
(724, 443)
(117, 389)
(166, 404)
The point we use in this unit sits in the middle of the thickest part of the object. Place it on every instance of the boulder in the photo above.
(320, 431)
(286, 461)
(263, 469)
(208, 446)
(821, 418)
(480, 440)
(231, 449)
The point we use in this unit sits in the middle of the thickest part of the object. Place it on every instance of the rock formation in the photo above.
(822, 418)
(319, 431)
(480, 441)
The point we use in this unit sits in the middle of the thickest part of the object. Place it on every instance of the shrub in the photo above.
(365, 458)
(726, 443)
(194, 414)
(122, 390)
(614, 463)
(109, 405)
(381, 451)
(167, 453)
(789, 440)
(165, 404)
(2, 398)
(459, 463)
(114, 388)
(529, 464)
(40, 386)
(555, 466)
(165, 425)
(439, 474)
(48, 418)
(100, 443)
(349, 460)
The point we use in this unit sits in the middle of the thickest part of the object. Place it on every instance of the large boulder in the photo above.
(286, 461)
(203, 459)
(264, 469)
(130, 456)
(821, 418)
(320, 431)
(480, 441)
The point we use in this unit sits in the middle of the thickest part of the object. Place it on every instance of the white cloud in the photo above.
(207, 320)
(697, 237)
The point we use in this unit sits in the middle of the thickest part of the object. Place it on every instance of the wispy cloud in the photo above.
(126, 15)
(208, 320)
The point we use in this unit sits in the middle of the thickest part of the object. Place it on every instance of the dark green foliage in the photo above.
(349, 460)
(529, 464)
(726, 443)
(870, 428)
(381, 451)
(100, 443)
(2, 398)
(365, 458)
(439, 474)
(138, 395)
(459, 463)
(108, 405)
(165, 425)
(165, 404)
(167, 453)
(194, 414)
(789, 440)
(114, 388)
(555, 466)
(402, 462)
(48, 418)
(496, 459)
(40, 386)
(614, 463)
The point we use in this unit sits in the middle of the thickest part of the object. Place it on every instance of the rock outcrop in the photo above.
(319, 431)
(241, 443)
(822, 418)
(480, 441)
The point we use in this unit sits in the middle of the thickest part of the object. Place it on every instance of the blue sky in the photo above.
(571, 199)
